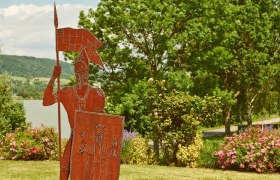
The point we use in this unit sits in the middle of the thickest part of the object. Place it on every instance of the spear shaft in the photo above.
(58, 86)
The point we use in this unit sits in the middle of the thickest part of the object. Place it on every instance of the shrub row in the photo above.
(30, 144)
(256, 149)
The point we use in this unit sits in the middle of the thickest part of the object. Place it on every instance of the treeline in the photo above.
(28, 89)
(31, 67)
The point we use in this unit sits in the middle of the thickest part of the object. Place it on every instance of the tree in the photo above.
(144, 44)
(11, 113)
(140, 38)
(224, 47)
(237, 49)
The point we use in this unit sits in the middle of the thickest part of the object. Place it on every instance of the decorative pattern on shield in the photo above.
(96, 147)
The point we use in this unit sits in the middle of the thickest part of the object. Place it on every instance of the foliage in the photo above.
(254, 150)
(12, 113)
(126, 145)
(31, 67)
(30, 74)
(188, 155)
(135, 150)
(235, 44)
(133, 107)
(226, 51)
(176, 124)
(223, 46)
(210, 144)
(29, 89)
(30, 144)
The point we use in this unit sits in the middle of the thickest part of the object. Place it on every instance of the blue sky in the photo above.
(26, 26)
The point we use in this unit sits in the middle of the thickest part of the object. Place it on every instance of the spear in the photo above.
(58, 86)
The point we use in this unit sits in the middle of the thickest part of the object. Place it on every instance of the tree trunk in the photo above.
(227, 121)
(249, 120)
(156, 147)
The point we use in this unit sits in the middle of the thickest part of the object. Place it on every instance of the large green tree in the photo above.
(143, 51)
(227, 49)
(237, 48)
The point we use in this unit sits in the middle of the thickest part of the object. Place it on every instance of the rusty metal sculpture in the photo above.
(94, 147)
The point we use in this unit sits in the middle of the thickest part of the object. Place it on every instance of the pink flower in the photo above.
(221, 154)
(263, 150)
(46, 140)
(13, 144)
(35, 150)
(37, 136)
(242, 166)
(13, 150)
(25, 144)
(14, 157)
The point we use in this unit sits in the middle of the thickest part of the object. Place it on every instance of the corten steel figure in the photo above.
(79, 97)
(93, 149)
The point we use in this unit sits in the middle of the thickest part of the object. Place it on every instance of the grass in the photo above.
(19, 78)
(31, 170)
(28, 170)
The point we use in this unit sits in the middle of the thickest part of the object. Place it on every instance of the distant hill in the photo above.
(31, 67)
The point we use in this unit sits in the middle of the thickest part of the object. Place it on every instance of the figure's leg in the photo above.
(65, 161)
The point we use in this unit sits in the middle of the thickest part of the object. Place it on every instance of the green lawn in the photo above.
(31, 170)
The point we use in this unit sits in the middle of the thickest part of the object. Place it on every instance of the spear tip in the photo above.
(55, 16)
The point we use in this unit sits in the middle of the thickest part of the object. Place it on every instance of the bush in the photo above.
(12, 114)
(176, 125)
(254, 150)
(210, 145)
(126, 145)
(188, 155)
(30, 144)
(135, 150)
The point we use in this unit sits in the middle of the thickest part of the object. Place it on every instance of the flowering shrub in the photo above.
(126, 144)
(135, 150)
(30, 144)
(254, 150)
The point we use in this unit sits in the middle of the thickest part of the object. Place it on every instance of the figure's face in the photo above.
(81, 73)
(80, 67)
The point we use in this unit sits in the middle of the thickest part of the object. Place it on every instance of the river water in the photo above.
(38, 114)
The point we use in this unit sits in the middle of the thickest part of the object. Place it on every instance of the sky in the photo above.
(27, 26)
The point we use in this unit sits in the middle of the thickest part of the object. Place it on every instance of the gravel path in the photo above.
(235, 128)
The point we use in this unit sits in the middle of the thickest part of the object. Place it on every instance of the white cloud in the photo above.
(29, 29)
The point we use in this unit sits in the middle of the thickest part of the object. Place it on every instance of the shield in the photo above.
(96, 146)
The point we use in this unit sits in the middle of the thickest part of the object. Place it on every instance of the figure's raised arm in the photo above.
(49, 98)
